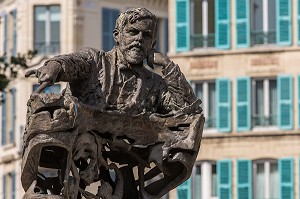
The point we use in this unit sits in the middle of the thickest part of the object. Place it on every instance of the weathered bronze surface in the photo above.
(133, 133)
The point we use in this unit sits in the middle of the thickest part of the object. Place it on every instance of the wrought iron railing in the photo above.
(210, 122)
(203, 41)
(260, 37)
(45, 49)
(260, 120)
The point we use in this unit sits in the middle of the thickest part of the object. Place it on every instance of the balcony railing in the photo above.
(260, 120)
(46, 49)
(203, 41)
(260, 37)
(210, 122)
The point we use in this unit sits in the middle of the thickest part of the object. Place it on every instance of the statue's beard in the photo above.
(134, 53)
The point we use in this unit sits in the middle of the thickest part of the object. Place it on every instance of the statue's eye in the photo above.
(133, 31)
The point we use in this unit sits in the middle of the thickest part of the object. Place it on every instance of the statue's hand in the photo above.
(47, 74)
(157, 58)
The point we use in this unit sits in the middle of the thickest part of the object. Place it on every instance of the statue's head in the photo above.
(135, 34)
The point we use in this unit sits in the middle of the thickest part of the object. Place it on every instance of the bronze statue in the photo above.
(118, 124)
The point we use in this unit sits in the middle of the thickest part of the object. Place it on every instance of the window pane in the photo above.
(272, 15)
(199, 91)
(211, 16)
(211, 105)
(40, 17)
(197, 17)
(273, 102)
(55, 29)
(274, 184)
(257, 18)
(259, 103)
(214, 188)
(197, 182)
(259, 181)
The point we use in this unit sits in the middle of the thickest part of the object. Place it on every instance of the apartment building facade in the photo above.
(242, 59)
(52, 27)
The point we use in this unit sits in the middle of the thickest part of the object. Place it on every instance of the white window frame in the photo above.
(266, 87)
(267, 175)
(206, 179)
(205, 102)
(205, 21)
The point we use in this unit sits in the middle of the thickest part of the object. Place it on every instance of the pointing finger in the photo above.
(30, 72)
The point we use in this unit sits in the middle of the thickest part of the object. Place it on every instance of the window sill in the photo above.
(9, 146)
(210, 131)
(265, 128)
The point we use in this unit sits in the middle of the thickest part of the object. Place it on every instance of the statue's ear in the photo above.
(116, 34)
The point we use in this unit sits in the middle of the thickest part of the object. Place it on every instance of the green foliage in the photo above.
(9, 67)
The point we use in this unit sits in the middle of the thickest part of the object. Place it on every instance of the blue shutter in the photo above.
(4, 186)
(224, 179)
(286, 178)
(14, 49)
(285, 102)
(5, 35)
(182, 25)
(13, 185)
(244, 182)
(222, 15)
(109, 17)
(184, 190)
(284, 22)
(13, 115)
(243, 104)
(3, 118)
(242, 23)
(223, 105)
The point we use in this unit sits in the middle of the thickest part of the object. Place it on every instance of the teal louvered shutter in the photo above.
(5, 35)
(13, 185)
(286, 178)
(184, 190)
(223, 105)
(285, 102)
(243, 104)
(3, 130)
(182, 25)
(222, 12)
(109, 17)
(284, 22)
(13, 115)
(242, 23)
(14, 49)
(244, 182)
(224, 174)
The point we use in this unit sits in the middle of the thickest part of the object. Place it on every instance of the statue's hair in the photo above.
(132, 15)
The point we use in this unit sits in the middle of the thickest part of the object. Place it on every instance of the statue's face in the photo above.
(136, 40)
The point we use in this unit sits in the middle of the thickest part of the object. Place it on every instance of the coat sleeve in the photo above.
(79, 65)
(178, 95)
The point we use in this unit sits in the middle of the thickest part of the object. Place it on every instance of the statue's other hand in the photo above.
(157, 58)
(47, 74)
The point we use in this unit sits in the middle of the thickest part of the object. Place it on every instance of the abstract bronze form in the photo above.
(133, 132)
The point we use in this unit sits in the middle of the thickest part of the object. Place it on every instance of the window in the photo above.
(202, 23)
(204, 180)
(47, 29)
(162, 35)
(265, 179)
(206, 91)
(264, 106)
(9, 186)
(52, 89)
(109, 17)
(263, 22)
(8, 117)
